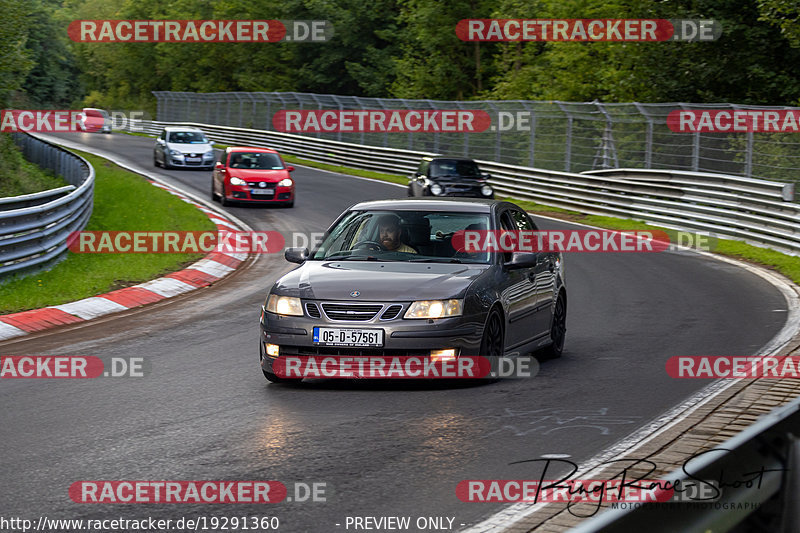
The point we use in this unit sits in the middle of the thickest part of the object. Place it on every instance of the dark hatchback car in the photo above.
(419, 295)
(449, 176)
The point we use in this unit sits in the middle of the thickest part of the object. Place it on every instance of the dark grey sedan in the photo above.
(387, 280)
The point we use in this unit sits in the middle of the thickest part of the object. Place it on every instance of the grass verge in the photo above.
(20, 176)
(123, 200)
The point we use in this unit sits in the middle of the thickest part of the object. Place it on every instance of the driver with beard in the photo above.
(389, 235)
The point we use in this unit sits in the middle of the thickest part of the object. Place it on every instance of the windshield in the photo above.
(454, 168)
(187, 137)
(256, 160)
(411, 236)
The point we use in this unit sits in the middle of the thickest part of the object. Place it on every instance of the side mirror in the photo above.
(296, 255)
(290, 168)
(522, 260)
(220, 166)
(486, 175)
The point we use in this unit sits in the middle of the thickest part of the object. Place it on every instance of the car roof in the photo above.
(472, 205)
(447, 157)
(251, 149)
(182, 128)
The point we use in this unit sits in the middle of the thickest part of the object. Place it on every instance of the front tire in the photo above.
(558, 328)
(492, 343)
(223, 199)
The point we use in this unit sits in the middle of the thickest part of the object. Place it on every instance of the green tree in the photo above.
(15, 60)
(51, 82)
(433, 61)
(784, 14)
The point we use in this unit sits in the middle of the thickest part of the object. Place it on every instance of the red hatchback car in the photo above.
(259, 175)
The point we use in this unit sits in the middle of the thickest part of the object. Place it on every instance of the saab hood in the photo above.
(378, 280)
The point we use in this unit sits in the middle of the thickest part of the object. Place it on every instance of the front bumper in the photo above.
(460, 192)
(294, 335)
(182, 162)
(244, 193)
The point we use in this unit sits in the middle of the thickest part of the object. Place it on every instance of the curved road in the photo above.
(205, 412)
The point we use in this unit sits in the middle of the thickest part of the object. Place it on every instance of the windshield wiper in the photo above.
(355, 258)
(441, 260)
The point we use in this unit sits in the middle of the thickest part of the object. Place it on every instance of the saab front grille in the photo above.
(351, 312)
(391, 312)
(312, 310)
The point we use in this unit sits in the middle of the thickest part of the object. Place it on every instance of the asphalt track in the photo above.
(205, 412)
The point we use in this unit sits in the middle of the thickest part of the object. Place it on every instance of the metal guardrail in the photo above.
(758, 211)
(768, 444)
(563, 136)
(34, 227)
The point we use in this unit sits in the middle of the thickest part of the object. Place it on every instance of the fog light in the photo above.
(273, 350)
(443, 355)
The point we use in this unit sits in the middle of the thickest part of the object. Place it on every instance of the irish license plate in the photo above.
(348, 337)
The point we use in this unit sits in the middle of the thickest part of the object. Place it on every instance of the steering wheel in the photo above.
(369, 245)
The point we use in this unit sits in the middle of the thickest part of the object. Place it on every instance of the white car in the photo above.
(181, 147)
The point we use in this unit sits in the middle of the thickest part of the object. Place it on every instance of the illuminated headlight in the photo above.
(434, 309)
(486, 190)
(237, 181)
(285, 182)
(284, 305)
(436, 189)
